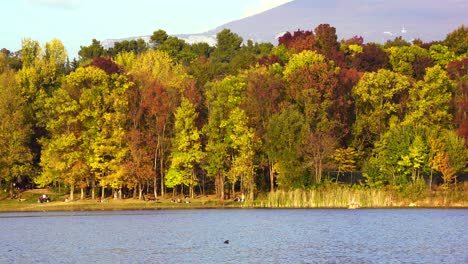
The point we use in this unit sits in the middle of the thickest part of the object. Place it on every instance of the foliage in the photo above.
(410, 60)
(247, 115)
(92, 51)
(186, 153)
(283, 142)
(429, 99)
(457, 40)
(380, 104)
(15, 132)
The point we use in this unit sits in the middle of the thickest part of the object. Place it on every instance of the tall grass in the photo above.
(340, 196)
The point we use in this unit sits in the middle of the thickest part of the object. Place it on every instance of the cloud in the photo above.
(55, 4)
(264, 5)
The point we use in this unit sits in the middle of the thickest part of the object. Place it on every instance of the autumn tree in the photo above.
(313, 87)
(327, 40)
(15, 132)
(448, 155)
(263, 96)
(41, 74)
(299, 41)
(243, 145)
(458, 72)
(160, 83)
(345, 160)
(86, 119)
(371, 59)
(63, 156)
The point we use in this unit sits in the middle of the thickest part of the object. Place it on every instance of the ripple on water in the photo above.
(256, 236)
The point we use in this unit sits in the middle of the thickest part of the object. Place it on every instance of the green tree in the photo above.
(380, 103)
(62, 156)
(241, 139)
(87, 53)
(15, 132)
(107, 117)
(41, 74)
(221, 98)
(441, 55)
(186, 148)
(457, 40)
(283, 144)
(410, 60)
(228, 43)
(429, 100)
(402, 155)
(158, 38)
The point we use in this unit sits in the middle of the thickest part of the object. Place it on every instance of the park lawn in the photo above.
(28, 203)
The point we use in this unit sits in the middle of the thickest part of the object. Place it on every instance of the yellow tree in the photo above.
(345, 159)
(186, 148)
(15, 131)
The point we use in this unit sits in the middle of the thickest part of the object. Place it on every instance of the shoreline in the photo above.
(337, 198)
(136, 205)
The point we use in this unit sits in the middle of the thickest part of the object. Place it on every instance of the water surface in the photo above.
(255, 236)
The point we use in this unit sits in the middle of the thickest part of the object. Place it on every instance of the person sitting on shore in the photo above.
(43, 199)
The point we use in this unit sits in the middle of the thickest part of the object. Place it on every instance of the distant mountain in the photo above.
(374, 20)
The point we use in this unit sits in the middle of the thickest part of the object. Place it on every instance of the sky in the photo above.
(77, 22)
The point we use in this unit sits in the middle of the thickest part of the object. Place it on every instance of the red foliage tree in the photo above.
(106, 64)
(299, 41)
(458, 72)
(371, 59)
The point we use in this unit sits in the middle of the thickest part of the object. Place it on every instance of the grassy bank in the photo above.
(28, 203)
(333, 196)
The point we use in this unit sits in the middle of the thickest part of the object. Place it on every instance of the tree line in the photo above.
(168, 116)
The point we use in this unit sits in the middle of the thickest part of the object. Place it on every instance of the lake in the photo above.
(255, 236)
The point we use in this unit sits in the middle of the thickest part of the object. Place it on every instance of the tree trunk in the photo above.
(82, 196)
(140, 191)
(103, 190)
(135, 192)
(272, 178)
(221, 186)
(156, 169)
(72, 191)
(155, 187)
(161, 170)
(93, 186)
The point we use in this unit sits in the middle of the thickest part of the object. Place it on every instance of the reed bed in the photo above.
(341, 196)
